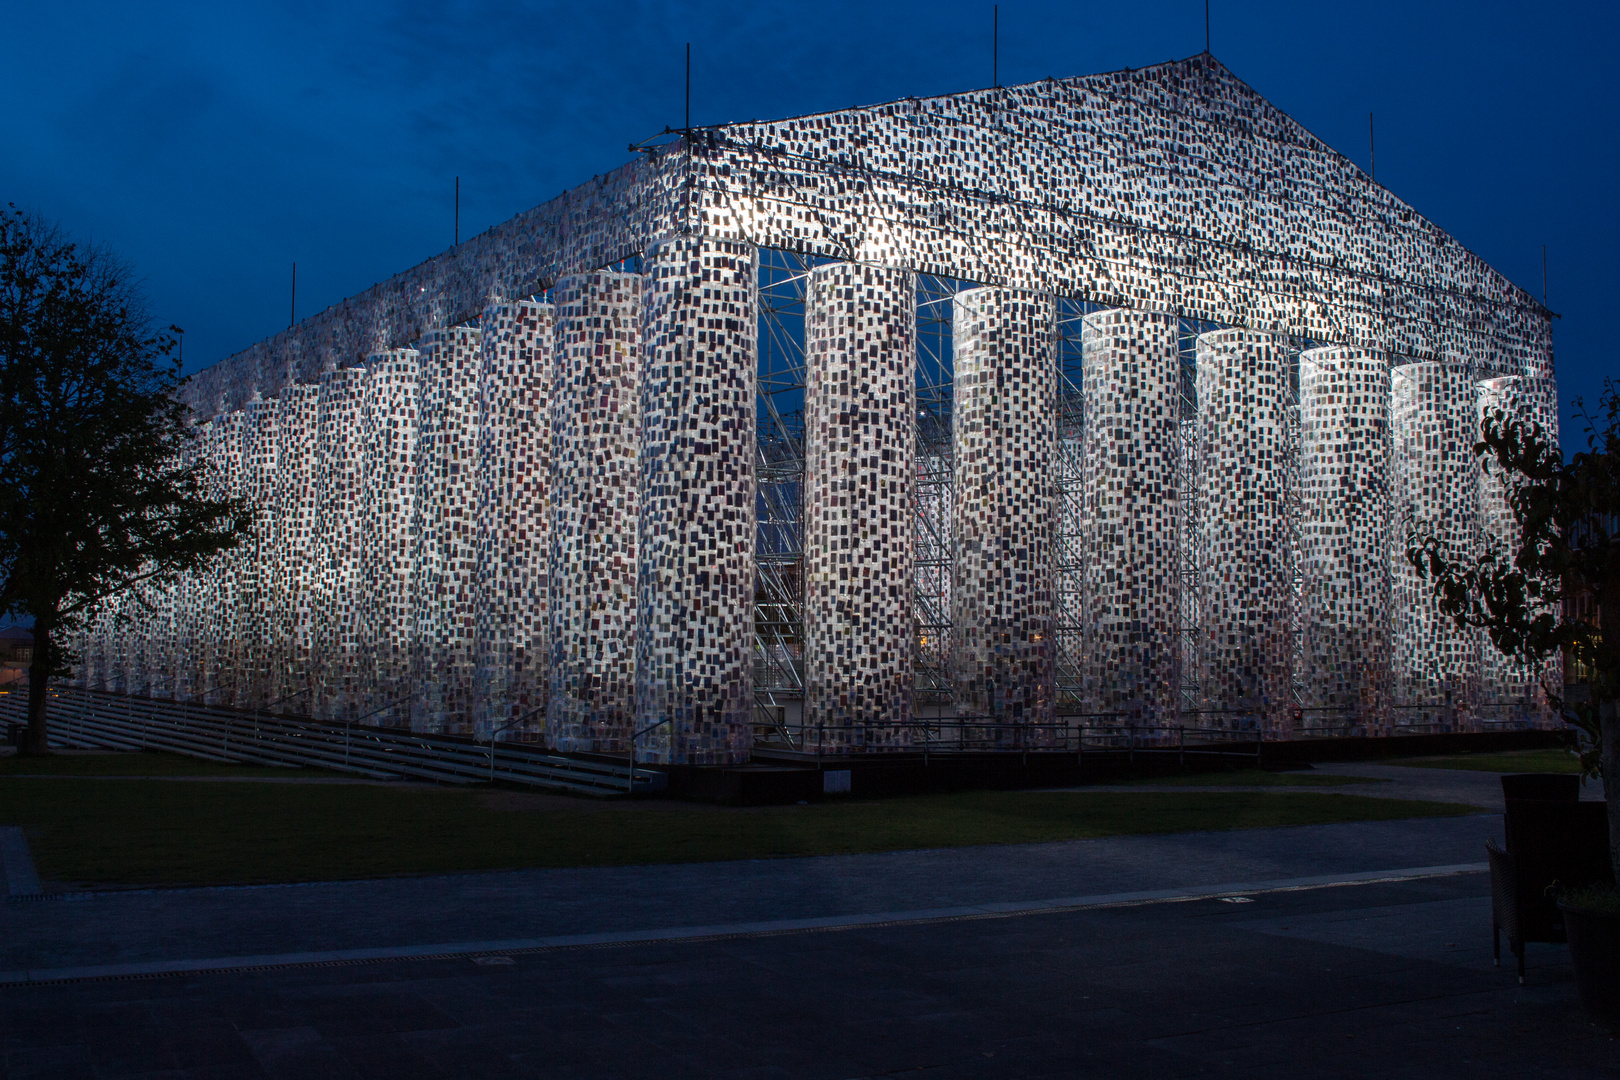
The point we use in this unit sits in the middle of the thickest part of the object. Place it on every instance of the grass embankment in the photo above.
(1555, 760)
(1259, 778)
(158, 832)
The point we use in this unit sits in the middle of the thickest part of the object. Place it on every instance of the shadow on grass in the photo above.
(142, 832)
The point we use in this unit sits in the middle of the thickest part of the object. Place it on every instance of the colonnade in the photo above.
(540, 524)
(553, 514)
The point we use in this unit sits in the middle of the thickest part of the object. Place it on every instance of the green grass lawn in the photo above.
(154, 832)
(1505, 761)
(1259, 778)
(139, 763)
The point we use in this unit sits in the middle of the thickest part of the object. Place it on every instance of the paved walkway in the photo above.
(446, 913)
(1383, 976)
(1481, 789)
(191, 925)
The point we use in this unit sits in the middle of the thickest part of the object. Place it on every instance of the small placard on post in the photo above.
(835, 782)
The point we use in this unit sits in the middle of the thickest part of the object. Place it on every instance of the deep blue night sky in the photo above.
(212, 145)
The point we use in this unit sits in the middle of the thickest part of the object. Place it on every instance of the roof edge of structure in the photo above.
(1174, 187)
(1128, 77)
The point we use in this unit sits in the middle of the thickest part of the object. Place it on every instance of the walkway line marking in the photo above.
(766, 928)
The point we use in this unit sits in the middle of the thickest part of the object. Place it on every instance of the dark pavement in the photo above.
(1372, 979)
(461, 911)
(1358, 981)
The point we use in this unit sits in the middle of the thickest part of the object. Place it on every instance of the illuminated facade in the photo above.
(1113, 393)
(1004, 423)
(860, 478)
(1434, 489)
(1245, 453)
(595, 435)
(1130, 528)
(1343, 549)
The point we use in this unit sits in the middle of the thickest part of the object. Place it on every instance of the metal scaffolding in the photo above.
(935, 483)
(1067, 510)
(778, 670)
(779, 549)
(778, 610)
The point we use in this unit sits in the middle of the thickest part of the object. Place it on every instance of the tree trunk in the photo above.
(39, 677)
(1609, 724)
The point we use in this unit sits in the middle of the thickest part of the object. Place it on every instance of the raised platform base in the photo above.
(772, 779)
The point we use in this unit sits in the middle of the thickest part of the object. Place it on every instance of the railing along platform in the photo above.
(967, 735)
(93, 719)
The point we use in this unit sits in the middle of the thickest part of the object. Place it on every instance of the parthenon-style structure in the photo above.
(1110, 396)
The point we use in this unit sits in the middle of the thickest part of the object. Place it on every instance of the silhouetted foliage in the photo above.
(95, 496)
(1560, 584)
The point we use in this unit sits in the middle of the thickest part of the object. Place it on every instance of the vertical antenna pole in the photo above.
(995, 44)
(1206, 26)
(292, 306)
(1372, 151)
(456, 242)
(688, 127)
(1543, 275)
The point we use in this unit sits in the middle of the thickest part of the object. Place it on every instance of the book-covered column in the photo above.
(860, 447)
(341, 672)
(514, 512)
(1344, 536)
(446, 499)
(296, 480)
(1435, 492)
(259, 486)
(596, 433)
(1004, 436)
(1244, 460)
(1131, 582)
(389, 417)
(1512, 691)
(695, 543)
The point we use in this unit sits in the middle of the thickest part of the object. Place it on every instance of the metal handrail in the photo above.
(348, 725)
(965, 733)
(496, 731)
(634, 735)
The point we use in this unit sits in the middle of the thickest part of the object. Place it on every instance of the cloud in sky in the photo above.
(214, 145)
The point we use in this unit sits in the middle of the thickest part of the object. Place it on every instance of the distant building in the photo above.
(16, 646)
